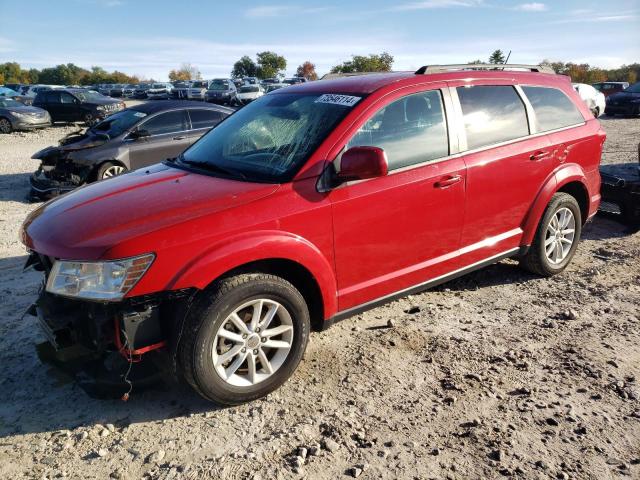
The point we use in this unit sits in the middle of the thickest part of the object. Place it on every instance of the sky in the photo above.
(151, 37)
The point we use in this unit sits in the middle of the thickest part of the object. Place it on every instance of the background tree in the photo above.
(475, 62)
(270, 64)
(361, 63)
(307, 70)
(184, 73)
(245, 67)
(497, 57)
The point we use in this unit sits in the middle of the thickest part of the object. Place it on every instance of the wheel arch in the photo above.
(569, 179)
(286, 255)
(98, 166)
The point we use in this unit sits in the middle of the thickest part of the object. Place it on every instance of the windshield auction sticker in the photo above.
(344, 100)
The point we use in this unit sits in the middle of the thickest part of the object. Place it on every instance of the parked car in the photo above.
(105, 89)
(238, 82)
(159, 91)
(275, 86)
(18, 116)
(312, 204)
(129, 90)
(180, 89)
(251, 80)
(222, 91)
(609, 88)
(116, 90)
(294, 80)
(141, 91)
(6, 92)
(14, 86)
(33, 90)
(133, 138)
(248, 93)
(198, 90)
(626, 102)
(594, 99)
(76, 105)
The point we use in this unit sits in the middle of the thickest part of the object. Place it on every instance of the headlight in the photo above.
(101, 108)
(19, 115)
(110, 280)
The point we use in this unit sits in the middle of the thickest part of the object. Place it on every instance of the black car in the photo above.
(141, 90)
(77, 105)
(222, 91)
(133, 138)
(626, 102)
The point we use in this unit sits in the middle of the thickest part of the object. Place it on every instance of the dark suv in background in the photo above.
(130, 139)
(77, 105)
(222, 91)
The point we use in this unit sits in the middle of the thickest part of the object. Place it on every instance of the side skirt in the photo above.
(518, 251)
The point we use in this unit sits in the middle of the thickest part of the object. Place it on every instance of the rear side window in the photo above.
(492, 114)
(204, 118)
(168, 122)
(410, 130)
(553, 108)
(51, 97)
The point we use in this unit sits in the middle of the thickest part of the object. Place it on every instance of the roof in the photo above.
(158, 106)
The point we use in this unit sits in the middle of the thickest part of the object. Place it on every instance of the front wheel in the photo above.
(243, 338)
(5, 126)
(556, 238)
(110, 169)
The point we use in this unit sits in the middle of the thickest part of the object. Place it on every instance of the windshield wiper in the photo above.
(212, 166)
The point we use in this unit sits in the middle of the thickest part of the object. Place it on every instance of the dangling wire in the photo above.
(126, 346)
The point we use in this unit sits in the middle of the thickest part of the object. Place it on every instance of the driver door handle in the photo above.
(180, 137)
(539, 155)
(447, 181)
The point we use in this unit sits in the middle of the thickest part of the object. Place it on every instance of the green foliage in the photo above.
(361, 63)
(497, 57)
(585, 73)
(245, 67)
(270, 64)
(68, 74)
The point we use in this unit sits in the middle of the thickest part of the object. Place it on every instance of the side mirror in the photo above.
(140, 133)
(359, 163)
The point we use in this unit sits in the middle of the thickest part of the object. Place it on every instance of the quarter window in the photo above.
(168, 122)
(410, 130)
(492, 114)
(553, 108)
(204, 118)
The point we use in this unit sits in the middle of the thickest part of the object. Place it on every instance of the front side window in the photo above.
(271, 138)
(410, 130)
(552, 107)
(51, 97)
(492, 114)
(168, 122)
(67, 98)
(204, 118)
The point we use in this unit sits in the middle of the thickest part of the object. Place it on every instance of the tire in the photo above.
(201, 350)
(5, 125)
(110, 169)
(88, 119)
(537, 260)
(596, 112)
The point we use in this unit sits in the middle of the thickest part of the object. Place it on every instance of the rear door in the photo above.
(396, 231)
(203, 120)
(506, 165)
(168, 137)
(53, 105)
(70, 110)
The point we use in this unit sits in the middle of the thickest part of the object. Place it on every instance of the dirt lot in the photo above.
(498, 374)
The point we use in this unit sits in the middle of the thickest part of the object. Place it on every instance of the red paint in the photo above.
(360, 241)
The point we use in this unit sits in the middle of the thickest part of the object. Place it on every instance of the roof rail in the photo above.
(483, 66)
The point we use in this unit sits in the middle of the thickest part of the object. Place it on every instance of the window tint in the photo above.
(204, 118)
(552, 107)
(492, 114)
(410, 130)
(51, 97)
(66, 98)
(167, 122)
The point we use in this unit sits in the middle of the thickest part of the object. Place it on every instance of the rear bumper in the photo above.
(621, 193)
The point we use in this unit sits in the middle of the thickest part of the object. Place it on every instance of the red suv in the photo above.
(311, 204)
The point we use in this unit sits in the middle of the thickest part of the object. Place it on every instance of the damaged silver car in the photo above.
(131, 139)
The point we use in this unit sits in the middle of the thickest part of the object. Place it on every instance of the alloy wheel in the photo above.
(560, 236)
(113, 171)
(253, 342)
(5, 125)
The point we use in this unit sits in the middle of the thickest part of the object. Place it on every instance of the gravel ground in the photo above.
(497, 374)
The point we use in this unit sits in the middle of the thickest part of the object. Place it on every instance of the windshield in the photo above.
(7, 92)
(219, 85)
(10, 103)
(89, 96)
(118, 123)
(159, 85)
(249, 88)
(635, 88)
(271, 138)
(199, 85)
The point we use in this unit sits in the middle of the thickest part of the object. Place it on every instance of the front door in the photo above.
(393, 232)
(168, 137)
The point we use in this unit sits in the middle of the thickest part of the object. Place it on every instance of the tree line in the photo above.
(269, 64)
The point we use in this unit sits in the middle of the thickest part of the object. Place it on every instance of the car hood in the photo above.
(73, 141)
(87, 222)
(623, 96)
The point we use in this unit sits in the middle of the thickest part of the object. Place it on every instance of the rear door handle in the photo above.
(447, 181)
(539, 155)
(180, 137)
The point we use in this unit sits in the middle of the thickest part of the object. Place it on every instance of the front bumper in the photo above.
(25, 125)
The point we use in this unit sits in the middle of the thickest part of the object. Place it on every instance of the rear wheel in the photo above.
(5, 126)
(243, 338)
(556, 238)
(110, 169)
